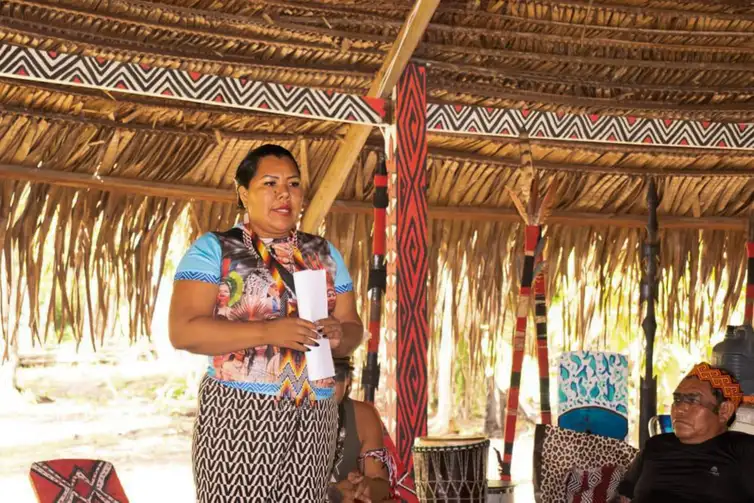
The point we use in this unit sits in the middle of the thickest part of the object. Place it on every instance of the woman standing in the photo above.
(262, 437)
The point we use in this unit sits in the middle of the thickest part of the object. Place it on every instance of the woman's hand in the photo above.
(333, 330)
(293, 333)
(354, 489)
(361, 487)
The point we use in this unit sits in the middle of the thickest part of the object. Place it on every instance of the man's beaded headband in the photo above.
(721, 380)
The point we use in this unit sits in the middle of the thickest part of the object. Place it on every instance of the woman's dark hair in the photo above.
(248, 167)
(343, 369)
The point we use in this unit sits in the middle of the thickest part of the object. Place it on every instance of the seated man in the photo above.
(701, 461)
(363, 467)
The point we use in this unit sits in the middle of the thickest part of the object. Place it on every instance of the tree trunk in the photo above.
(441, 422)
(492, 428)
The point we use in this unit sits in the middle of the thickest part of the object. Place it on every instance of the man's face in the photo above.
(696, 415)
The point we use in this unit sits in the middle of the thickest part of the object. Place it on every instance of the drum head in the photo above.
(449, 441)
(495, 486)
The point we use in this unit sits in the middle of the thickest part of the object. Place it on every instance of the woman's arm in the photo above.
(369, 427)
(193, 328)
(353, 330)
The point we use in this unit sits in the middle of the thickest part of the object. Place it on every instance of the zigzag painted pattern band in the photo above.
(592, 128)
(100, 73)
(26, 63)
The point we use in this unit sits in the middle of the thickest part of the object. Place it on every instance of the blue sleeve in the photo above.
(202, 261)
(343, 283)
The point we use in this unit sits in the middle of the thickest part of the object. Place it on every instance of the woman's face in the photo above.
(274, 197)
(223, 295)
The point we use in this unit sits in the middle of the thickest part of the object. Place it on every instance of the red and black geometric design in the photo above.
(412, 260)
(72, 69)
(592, 128)
(76, 481)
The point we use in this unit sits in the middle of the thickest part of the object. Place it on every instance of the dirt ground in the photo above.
(100, 411)
(138, 416)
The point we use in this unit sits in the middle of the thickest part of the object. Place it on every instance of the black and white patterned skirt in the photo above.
(250, 447)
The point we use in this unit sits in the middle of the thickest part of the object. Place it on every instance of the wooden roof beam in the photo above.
(409, 37)
(507, 72)
(309, 28)
(174, 57)
(659, 11)
(670, 109)
(85, 181)
(485, 16)
(123, 19)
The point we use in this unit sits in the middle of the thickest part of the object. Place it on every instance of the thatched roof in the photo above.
(665, 59)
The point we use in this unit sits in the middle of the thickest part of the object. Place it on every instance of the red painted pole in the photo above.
(540, 318)
(370, 377)
(519, 342)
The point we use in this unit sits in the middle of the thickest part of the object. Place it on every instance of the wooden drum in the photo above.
(452, 469)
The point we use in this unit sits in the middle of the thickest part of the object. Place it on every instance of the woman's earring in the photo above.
(246, 218)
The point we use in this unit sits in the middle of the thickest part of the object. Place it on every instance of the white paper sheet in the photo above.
(311, 296)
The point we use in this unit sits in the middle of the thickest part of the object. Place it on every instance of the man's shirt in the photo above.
(718, 470)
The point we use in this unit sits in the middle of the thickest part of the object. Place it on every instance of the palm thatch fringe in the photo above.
(109, 242)
(594, 275)
(102, 255)
(75, 257)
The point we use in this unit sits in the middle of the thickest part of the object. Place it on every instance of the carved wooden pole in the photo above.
(540, 318)
(649, 290)
(531, 237)
(370, 378)
(533, 272)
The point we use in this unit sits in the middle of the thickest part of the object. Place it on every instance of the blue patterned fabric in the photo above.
(247, 292)
(273, 389)
(203, 262)
(593, 393)
(342, 279)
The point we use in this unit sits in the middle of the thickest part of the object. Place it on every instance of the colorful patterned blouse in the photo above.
(247, 292)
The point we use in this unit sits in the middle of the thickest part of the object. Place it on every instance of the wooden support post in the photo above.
(649, 290)
(411, 260)
(409, 37)
(749, 308)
